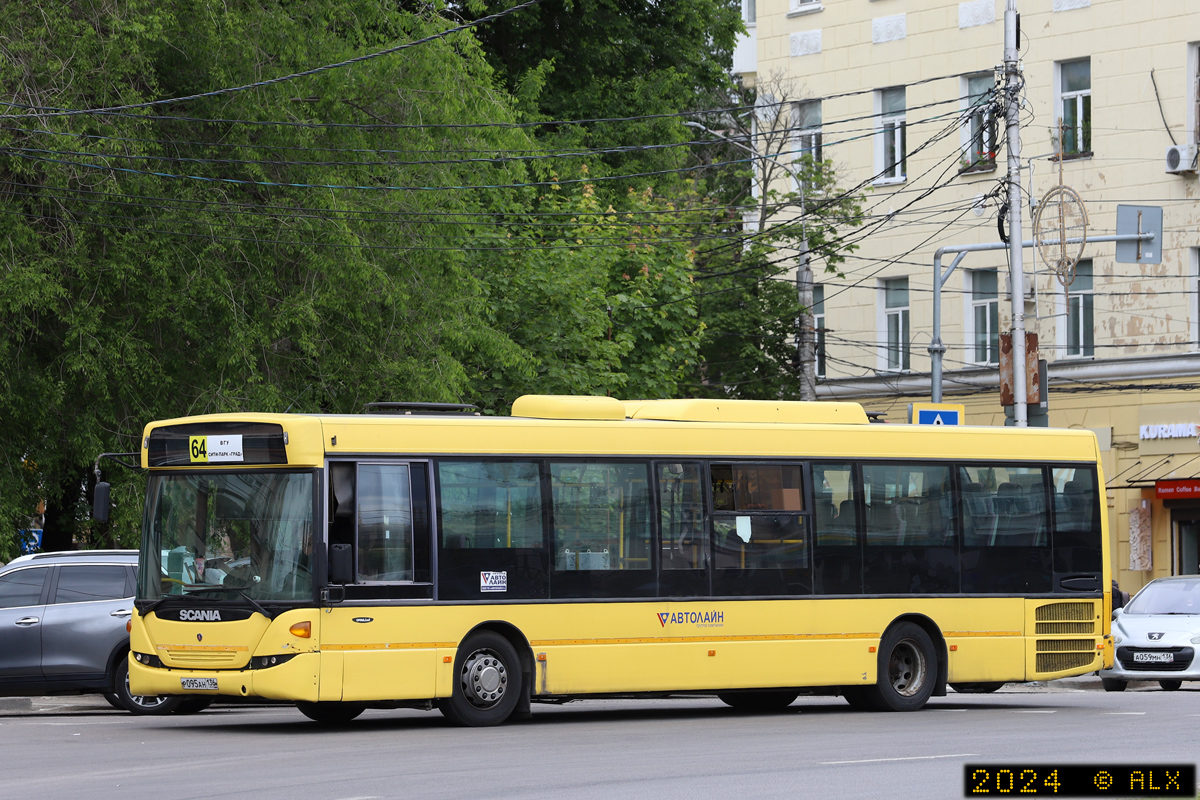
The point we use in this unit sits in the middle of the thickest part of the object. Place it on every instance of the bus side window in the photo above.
(601, 516)
(341, 502)
(760, 530)
(681, 504)
(1077, 546)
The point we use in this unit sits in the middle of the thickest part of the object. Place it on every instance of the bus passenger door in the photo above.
(382, 510)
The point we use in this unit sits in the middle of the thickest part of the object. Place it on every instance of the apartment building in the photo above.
(900, 96)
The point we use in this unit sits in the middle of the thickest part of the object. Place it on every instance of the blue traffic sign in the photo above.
(936, 416)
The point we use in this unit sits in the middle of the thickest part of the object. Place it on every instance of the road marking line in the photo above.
(1035, 711)
(1131, 714)
(906, 758)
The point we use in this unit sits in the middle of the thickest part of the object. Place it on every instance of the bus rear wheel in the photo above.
(907, 669)
(758, 702)
(330, 713)
(487, 682)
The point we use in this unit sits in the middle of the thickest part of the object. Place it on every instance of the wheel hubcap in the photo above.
(906, 668)
(145, 700)
(484, 679)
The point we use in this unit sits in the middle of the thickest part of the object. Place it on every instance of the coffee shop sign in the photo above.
(1178, 430)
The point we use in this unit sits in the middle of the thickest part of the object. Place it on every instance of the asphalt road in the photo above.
(818, 748)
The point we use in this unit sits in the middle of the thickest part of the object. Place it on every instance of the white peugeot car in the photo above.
(1157, 635)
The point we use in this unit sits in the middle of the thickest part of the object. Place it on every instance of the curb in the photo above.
(16, 704)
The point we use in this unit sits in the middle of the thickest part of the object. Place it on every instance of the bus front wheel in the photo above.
(907, 669)
(487, 682)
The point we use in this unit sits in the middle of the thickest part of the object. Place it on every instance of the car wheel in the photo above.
(976, 688)
(907, 669)
(140, 704)
(331, 713)
(114, 701)
(1113, 685)
(488, 682)
(1170, 686)
(758, 702)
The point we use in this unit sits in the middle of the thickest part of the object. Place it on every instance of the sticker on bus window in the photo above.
(493, 581)
(215, 449)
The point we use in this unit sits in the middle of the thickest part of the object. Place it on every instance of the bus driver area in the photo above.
(588, 547)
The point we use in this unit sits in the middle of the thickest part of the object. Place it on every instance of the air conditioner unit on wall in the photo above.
(1181, 159)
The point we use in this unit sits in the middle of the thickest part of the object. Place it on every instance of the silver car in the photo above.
(63, 629)
(1157, 635)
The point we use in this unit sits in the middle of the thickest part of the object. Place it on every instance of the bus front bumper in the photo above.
(295, 680)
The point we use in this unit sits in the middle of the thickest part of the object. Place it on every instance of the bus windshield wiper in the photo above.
(253, 603)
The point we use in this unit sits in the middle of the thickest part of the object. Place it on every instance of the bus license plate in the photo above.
(1156, 658)
(201, 684)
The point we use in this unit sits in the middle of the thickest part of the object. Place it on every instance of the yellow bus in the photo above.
(429, 557)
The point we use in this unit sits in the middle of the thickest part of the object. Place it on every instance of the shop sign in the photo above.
(1176, 490)
(1168, 429)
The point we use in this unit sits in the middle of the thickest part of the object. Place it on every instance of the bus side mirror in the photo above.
(341, 564)
(100, 502)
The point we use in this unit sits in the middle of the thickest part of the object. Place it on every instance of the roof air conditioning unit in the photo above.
(1181, 158)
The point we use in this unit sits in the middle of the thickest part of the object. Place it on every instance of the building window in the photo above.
(806, 124)
(1075, 107)
(1081, 312)
(985, 317)
(749, 11)
(1195, 298)
(891, 147)
(980, 147)
(1193, 92)
(895, 312)
(818, 315)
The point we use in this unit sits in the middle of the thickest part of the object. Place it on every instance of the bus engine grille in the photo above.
(203, 658)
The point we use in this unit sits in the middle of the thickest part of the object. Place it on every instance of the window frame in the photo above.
(903, 315)
(1082, 99)
(891, 163)
(806, 139)
(1086, 346)
(971, 327)
(818, 317)
(982, 125)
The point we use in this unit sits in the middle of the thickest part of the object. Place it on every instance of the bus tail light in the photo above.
(301, 629)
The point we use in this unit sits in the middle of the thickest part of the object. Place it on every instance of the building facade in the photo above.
(903, 97)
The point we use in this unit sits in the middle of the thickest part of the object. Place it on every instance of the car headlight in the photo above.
(1196, 640)
(1118, 640)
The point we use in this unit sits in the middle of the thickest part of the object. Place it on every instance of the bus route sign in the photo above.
(936, 414)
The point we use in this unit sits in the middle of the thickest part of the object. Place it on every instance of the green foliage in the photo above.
(602, 304)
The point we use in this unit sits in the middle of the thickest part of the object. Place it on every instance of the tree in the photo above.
(239, 283)
(757, 317)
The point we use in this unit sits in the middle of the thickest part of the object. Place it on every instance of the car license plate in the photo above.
(205, 684)
(1155, 658)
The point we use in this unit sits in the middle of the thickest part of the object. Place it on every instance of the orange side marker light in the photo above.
(541, 656)
(129, 626)
(301, 629)
(870, 649)
(712, 652)
(953, 647)
(447, 659)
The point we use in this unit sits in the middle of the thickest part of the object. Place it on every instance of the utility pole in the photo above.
(806, 337)
(1012, 114)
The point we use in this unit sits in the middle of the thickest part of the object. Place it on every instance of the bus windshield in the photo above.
(225, 534)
